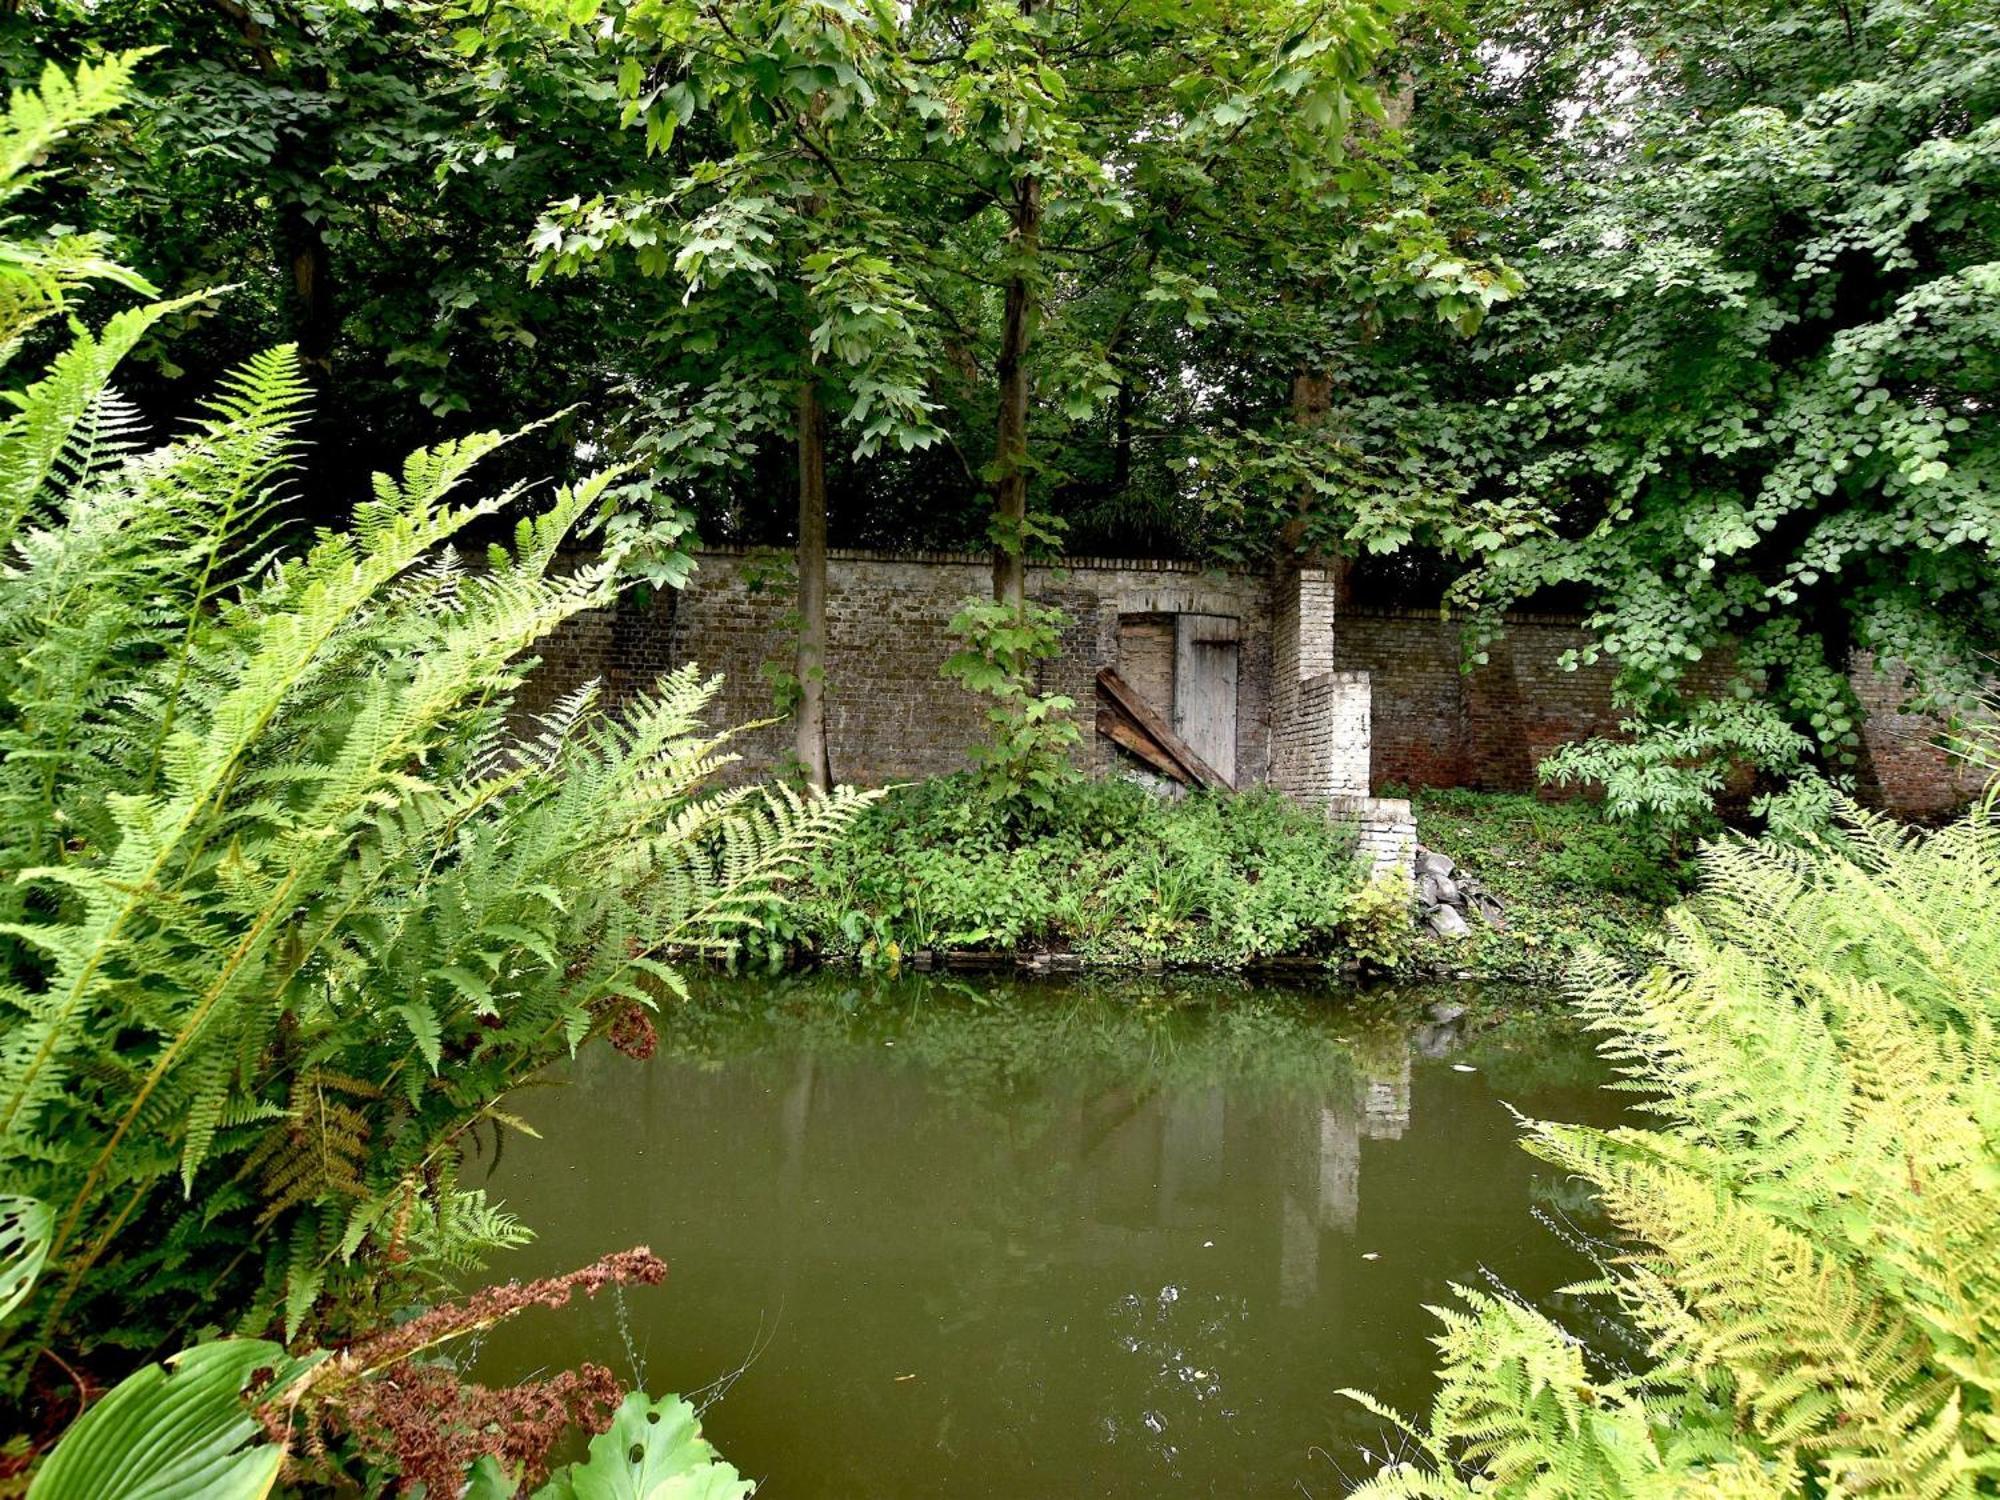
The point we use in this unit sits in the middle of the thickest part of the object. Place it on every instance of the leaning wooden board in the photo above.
(1116, 728)
(1143, 715)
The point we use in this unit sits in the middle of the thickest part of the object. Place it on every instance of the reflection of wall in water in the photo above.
(1108, 1173)
(1323, 1191)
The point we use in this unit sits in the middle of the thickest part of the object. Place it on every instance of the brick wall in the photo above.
(1385, 834)
(1907, 768)
(890, 716)
(1438, 725)
(1321, 750)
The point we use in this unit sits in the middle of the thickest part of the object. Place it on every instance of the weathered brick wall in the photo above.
(1438, 725)
(890, 716)
(1385, 833)
(1907, 768)
(1321, 750)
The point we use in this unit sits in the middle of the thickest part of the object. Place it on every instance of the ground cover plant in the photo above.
(292, 898)
(1110, 873)
(1569, 876)
(1812, 1228)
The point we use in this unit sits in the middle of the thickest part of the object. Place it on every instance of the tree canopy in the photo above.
(1681, 318)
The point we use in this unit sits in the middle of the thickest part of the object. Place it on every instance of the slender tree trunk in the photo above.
(809, 724)
(314, 318)
(1312, 400)
(1010, 500)
(304, 263)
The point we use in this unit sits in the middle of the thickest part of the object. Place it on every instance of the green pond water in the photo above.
(984, 1237)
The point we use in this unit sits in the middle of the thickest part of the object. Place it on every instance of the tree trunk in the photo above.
(303, 154)
(809, 724)
(1010, 499)
(314, 320)
(1312, 400)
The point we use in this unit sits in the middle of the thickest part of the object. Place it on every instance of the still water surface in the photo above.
(986, 1238)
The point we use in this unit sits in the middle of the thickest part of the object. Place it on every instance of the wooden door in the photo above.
(1205, 648)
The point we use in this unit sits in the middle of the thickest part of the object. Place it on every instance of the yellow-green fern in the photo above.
(1815, 1218)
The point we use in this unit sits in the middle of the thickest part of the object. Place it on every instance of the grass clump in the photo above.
(1109, 873)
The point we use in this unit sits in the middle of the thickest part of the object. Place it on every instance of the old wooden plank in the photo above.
(1143, 714)
(1122, 732)
(1205, 648)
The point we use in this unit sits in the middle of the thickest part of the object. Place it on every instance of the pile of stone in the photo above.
(1447, 896)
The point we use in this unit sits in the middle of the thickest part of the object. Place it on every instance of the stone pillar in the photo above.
(1322, 724)
(1385, 834)
(1320, 718)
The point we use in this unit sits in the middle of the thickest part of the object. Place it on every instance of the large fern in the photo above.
(40, 270)
(1816, 1217)
(287, 906)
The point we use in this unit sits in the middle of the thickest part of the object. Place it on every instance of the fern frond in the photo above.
(1816, 1222)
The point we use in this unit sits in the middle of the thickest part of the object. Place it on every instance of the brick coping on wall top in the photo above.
(1431, 615)
(985, 559)
(736, 551)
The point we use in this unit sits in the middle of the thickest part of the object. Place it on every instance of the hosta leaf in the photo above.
(180, 1435)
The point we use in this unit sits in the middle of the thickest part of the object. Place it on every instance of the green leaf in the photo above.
(24, 1246)
(488, 1481)
(424, 1030)
(653, 1450)
(185, 1435)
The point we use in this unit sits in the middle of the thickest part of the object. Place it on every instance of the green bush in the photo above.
(1025, 764)
(1109, 872)
(1810, 1237)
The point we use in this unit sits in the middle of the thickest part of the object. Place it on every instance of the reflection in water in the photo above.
(1001, 1240)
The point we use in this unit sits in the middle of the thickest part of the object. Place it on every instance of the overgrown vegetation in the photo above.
(1570, 878)
(1678, 317)
(1814, 1224)
(293, 900)
(1025, 765)
(1109, 872)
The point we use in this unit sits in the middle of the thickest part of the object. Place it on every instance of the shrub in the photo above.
(1664, 779)
(1109, 871)
(1025, 765)
(1815, 1223)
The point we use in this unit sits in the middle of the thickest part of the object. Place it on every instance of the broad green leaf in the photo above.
(489, 1481)
(180, 1435)
(653, 1450)
(24, 1246)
